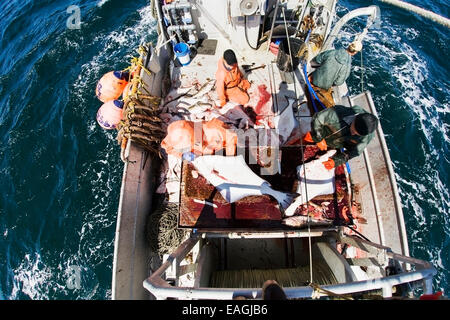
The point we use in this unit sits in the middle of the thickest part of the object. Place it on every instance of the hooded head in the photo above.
(229, 57)
(365, 123)
(355, 47)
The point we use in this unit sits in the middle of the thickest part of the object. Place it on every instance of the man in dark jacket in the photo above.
(342, 127)
(334, 69)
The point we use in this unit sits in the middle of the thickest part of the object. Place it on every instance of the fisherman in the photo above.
(230, 84)
(334, 69)
(349, 130)
(271, 290)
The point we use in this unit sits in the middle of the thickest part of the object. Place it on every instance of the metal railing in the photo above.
(372, 11)
(424, 271)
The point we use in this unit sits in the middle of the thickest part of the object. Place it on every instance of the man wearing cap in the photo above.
(334, 69)
(230, 83)
(340, 127)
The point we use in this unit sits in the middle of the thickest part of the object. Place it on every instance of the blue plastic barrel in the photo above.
(182, 52)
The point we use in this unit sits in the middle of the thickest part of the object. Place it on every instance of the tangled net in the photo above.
(163, 233)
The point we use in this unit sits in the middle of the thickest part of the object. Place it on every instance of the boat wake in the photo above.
(60, 191)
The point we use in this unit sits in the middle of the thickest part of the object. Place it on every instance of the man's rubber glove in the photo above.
(322, 145)
(329, 164)
(308, 137)
(274, 47)
(221, 103)
(189, 156)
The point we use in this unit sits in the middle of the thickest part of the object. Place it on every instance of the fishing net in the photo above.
(162, 228)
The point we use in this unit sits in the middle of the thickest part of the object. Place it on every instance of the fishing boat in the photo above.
(179, 237)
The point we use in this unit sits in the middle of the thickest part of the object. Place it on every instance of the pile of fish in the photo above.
(315, 180)
(235, 180)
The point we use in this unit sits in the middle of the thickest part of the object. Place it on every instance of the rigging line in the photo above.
(287, 38)
(303, 164)
(290, 55)
(273, 24)
(272, 85)
(362, 72)
(303, 149)
(358, 233)
(303, 15)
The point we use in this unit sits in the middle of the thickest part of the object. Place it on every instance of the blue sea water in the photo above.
(60, 173)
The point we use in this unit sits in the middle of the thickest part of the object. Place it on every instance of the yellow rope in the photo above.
(152, 135)
(135, 62)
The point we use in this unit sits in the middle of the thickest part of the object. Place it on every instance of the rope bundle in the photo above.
(141, 122)
(163, 232)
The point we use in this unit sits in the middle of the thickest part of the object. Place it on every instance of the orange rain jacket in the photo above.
(211, 137)
(231, 85)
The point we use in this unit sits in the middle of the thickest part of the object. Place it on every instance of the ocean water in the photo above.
(60, 173)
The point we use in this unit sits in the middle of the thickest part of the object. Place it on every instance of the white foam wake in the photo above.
(111, 54)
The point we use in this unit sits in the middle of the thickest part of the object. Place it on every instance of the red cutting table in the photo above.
(203, 207)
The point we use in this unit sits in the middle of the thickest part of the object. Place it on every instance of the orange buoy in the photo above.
(126, 92)
(111, 85)
(110, 114)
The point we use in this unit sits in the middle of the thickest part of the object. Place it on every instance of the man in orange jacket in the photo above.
(230, 83)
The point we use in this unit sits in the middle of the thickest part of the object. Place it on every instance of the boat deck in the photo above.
(269, 93)
(376, 188)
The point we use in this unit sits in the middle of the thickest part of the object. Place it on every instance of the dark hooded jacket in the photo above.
(334, 68)
(333, 125)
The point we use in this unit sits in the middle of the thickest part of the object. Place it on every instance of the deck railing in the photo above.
(424, 271)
